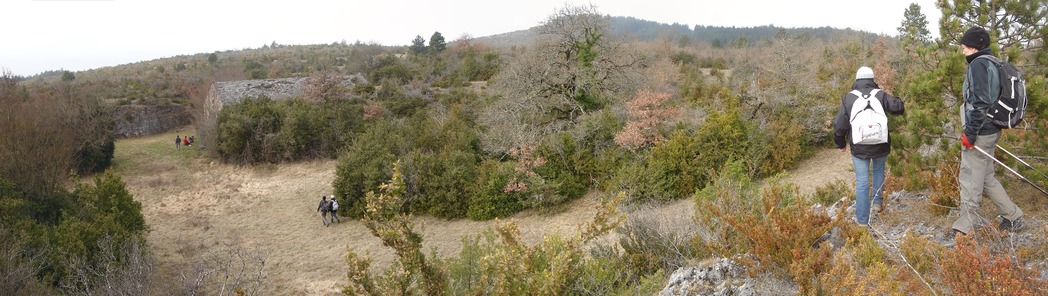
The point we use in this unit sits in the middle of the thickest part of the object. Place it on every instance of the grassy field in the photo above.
(205, 215)
(202, 212)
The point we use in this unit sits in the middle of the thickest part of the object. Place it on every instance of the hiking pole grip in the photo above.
(1010, 169)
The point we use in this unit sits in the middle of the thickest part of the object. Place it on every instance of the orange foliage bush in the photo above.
(972, 268)
(646, 112)
(945, 190)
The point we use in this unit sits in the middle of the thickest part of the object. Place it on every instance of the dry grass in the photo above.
(194, 206)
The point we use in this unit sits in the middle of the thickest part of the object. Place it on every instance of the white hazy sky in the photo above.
(41, 35)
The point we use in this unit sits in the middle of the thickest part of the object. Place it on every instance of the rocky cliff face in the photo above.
(135, 121)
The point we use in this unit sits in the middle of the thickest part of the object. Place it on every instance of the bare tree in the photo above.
(233, 269)
(119, 268)
(575, 67)
(39, 142)
(19, 265)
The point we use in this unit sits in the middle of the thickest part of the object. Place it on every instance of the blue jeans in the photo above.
(863, 169)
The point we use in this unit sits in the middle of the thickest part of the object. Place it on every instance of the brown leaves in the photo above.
(647, 111)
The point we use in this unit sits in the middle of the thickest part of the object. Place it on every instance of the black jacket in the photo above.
(982, 85)
(842, 124)
(325, 206)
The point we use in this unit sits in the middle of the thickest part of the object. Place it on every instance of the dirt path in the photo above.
(825, 167)
(195, 206)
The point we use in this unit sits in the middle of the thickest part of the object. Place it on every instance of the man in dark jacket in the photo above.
(324, 208)
(868, 159)
(982, 85)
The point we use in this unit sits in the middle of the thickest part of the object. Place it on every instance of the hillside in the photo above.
(716, 141)
(199, 210)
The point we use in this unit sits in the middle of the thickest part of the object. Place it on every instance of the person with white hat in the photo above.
(863, 117)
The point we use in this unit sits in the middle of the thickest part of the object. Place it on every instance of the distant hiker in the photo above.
(982, 85)
(185, 141)
(334, 210)
(178, 142)
(191, 140)
(863, 117)
(323, 208)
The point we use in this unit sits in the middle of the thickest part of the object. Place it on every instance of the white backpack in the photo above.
(334, 204)
(869, 123)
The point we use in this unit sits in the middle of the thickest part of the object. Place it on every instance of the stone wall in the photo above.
(137, 120)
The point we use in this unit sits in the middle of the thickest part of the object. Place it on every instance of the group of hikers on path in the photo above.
(328, 208)
(180, 141)
(863, 118)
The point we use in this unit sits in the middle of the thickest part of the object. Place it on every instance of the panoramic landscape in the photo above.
(589, 154)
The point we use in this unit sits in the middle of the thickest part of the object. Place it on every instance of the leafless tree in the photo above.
(576, 66)
(19, 265)
(120, 268)
(232, 269)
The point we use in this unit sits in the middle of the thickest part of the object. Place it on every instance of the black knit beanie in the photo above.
(976, 38)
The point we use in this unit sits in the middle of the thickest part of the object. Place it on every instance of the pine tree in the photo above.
(418, 45)
(927, 134)
(436, 43)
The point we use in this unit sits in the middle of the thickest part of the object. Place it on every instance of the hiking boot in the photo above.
(1009, 225)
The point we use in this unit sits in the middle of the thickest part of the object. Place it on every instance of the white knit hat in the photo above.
(864, 73)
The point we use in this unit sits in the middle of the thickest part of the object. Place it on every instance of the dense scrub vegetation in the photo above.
(754, 123)
(52, 238)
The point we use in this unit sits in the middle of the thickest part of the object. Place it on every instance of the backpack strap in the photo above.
(870, 97)
(873, 93)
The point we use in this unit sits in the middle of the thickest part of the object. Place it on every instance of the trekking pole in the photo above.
(1010, 169)
(1023, 162)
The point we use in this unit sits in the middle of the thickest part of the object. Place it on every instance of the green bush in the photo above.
(365, 164)
(247, 131)
(259, 130)
(105, 210)
(785, 149)
(389, 67)
(341, 121)
(567, 163)
(302, 132)
(96, 154)
(489, 200)
(444, 182)
(672, 170)
(723, 138)
(831, 193)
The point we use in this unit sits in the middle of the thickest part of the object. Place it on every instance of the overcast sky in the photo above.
(41, 35)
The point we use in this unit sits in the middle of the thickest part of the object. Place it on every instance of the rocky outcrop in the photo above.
(138, 120)
(722, 277)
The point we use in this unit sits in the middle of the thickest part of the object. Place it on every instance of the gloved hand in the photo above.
(966, 142)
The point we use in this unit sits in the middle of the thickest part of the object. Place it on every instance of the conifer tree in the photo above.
(928, 133)
(437, 43)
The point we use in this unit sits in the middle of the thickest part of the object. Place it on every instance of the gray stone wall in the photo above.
(136, 121)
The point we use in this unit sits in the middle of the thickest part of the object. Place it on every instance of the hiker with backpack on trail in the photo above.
(863, 117)
(334, 210)
(982, 120)
(324, 208)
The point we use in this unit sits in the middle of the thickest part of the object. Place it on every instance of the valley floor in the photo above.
(199, 208)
